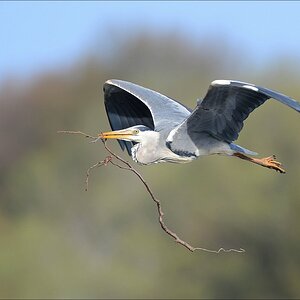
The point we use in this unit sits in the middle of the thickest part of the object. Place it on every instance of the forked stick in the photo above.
(113, 159)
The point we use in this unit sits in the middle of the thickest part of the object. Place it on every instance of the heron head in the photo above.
(134, 133)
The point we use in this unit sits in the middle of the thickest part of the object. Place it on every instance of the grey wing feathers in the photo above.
(226, 105)
(128, 104)
(223, 110)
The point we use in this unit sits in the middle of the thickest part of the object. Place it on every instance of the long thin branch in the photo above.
(127, 166)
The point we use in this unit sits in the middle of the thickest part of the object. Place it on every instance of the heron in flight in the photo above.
(155, 128)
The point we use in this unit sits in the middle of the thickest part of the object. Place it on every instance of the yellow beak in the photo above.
(117, 134)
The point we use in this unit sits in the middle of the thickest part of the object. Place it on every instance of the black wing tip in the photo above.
(111, 86)
(111, 82)
(107, 83)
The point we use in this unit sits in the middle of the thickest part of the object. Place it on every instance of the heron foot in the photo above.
(268, 162)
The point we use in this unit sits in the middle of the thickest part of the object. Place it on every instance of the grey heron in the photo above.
(155, 128)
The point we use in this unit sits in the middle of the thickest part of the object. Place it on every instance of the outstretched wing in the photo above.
(222, 112)
(128, 104)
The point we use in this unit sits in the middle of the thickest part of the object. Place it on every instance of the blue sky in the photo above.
(42, 35)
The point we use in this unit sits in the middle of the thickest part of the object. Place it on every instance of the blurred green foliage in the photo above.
(59, 241)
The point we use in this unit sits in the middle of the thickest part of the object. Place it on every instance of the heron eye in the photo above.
(136, 131)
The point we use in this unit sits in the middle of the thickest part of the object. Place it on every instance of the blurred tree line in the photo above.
(59, 241)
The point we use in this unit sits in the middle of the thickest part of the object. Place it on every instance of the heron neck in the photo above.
(148, 150)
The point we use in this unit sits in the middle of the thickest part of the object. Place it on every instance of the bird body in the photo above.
(148, 152)
(155, 128)
(153, 148)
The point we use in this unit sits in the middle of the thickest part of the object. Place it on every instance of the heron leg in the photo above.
(268, 162)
